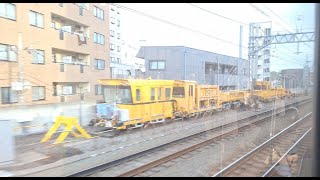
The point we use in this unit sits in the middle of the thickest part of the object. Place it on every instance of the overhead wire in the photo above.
(219, 15)
(283, 21)
(175, 25)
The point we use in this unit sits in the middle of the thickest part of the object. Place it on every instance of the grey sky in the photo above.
(136, 27)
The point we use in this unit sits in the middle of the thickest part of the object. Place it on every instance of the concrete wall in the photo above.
(43, 116)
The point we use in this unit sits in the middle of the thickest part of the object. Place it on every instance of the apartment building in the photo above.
(117, 67)
(52, 53)
(261, 66)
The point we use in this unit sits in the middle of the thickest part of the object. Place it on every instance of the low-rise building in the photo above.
(185, 63)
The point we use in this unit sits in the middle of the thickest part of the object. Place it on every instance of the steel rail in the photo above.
(238, 161)
(293, 146)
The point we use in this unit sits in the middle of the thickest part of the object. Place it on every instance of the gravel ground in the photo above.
(211, 160)
(59, 152)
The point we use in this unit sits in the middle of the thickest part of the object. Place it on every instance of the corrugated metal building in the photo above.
(180, 63)
(292, 78)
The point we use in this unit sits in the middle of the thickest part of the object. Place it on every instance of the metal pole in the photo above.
(240, 43)
(316, 103)
(185, 65)
(218, 74)
(20, 48)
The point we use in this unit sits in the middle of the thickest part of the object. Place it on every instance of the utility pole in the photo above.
(185, 65)
(20, 64)
(299, 19)
(240, 42)
(240, 55)
(306, 74)
(81, 101)
(218, 73)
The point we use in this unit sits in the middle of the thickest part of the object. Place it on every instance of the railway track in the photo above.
(295, 137)
(186, 145)
(203, 116)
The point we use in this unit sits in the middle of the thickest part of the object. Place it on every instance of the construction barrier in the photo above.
(69, 123)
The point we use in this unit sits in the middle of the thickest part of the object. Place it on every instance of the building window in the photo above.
(36, 19)
(99, 64)
(190, 90)
(152, 94)
(8, 96)
(118, 35)
(178, 92)
(118, 60)
(98, 89)
(53, 25)
(38, 57)
(112, 72)
(138, 95)
(68, 89)
(159, 93)
(99, 13)
(244, 71)
(112, 20)
(118, 48)
(61, 35)
(54, 57)
(168, 93)
(267, 52)
(118, 23)
(112, 46)
(111, 33)
(81, 68)
(83, 5)
(82, 97)
(112, 59)
(8, 10)
(266, 70)
(38, 93)
(98, 38)
(267, 61)
(61, 67)
(6, 53)
(160, 65)
(81, 11)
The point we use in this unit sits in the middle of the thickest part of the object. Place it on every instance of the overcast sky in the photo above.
(136, 27)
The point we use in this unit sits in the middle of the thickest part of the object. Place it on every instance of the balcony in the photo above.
(77, 73)
(69, 42)
(71, 73)
(75, 12)
(71, 91)
(69, 57)
(69, 35)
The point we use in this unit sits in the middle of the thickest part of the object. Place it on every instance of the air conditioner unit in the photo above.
(80, 29)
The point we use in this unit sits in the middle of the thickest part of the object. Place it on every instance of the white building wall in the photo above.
(115, 34)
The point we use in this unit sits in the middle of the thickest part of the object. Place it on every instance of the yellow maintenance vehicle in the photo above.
(131, 103)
